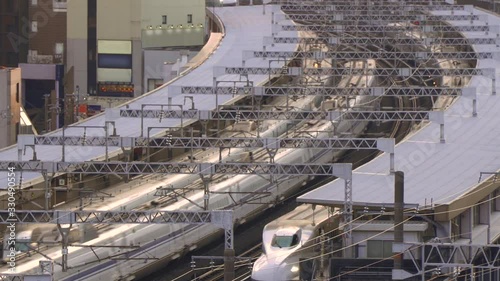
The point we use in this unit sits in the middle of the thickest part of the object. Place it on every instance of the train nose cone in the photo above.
(273, 269)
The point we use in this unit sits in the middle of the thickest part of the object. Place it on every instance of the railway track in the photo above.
(215, 272)
(398, 131)
(242, 265)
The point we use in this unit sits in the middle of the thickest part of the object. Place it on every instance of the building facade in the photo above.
(10, 105)
(14, 32)
(107, 39)
(47, 31)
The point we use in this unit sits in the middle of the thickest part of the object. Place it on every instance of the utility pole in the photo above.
(69, 109)
(77, 103)
(46, 122)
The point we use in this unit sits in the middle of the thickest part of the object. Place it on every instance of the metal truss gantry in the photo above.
(124, 168)
(386, 29)
(357, 55)
(448, 256)
(343, 171)
(448, 41)
(417, 20)
(399, 8)
(246, 114)
(382, 72)
(270, 144)
(339, 72)
(208, 142)
(297, 90)
(220, 218)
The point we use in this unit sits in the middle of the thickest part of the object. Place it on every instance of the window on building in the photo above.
(164, 19)
(17, 92)
(34, 2)
(190, 18)
(59, 50)
(34, 26)
(154, 83)
(59, 5)
(17, 130)
(379, 249)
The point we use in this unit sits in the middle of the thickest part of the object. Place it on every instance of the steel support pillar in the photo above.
(398, 216)
(348, 253)
(493, 86)
(391, 162)
(229, 273)
(474, 107)
(64, 231)
(48, 194)
(272, 153)
(206, 190)
(441, 133)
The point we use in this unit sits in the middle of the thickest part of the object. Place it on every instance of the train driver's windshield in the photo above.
(285, 241)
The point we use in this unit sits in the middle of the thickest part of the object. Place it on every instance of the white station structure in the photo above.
(450, 175)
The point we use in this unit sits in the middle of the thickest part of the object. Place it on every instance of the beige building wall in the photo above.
(177, 31)
(77, 51)
(10, 105)
(121, 20)
(118, 19)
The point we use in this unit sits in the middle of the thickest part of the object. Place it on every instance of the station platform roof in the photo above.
(435, 173)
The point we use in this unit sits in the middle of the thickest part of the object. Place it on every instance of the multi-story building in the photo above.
(32, 31)
(107, 40)
(47, 32)
(10, 105)
(32, 37)
(14, 32)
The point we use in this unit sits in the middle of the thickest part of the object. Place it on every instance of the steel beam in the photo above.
(383, 72)
(124, 168)
(220, 218)
(297, 90)
(207, 142)
(388, 28)
(398, 8)
(246, 114)
(358, 55)
(374, 18)
(381, 41)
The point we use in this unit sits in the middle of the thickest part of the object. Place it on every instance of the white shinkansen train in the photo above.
(291, 238)
(161, 243)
